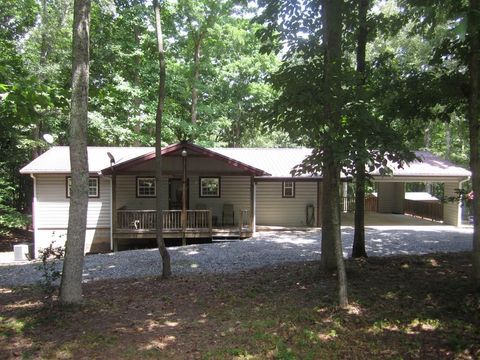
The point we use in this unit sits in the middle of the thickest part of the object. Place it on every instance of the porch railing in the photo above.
(136, 219)
(146, 220)
(347, 204)
(199, 219)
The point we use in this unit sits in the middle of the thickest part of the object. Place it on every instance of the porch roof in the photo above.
(192, 149)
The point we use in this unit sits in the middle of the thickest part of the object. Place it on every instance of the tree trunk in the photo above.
(473, 122)
(448, 141)
(330, 222)
(37, 126)
(331, 235)
(71, 285)
(166, 268)
(358, 249)
(137, 100)
(196, 75)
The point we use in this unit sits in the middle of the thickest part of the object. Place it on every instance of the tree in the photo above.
(332, 108)
(374, 140)
(358, 248)
(310, 105)
(166, 269)
(199, 19)
(473, 32)
(452, 30)
(71, 284)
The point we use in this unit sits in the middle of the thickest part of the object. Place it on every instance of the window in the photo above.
(288, 189)
(209, 187)
(146, 187)
(93, 187)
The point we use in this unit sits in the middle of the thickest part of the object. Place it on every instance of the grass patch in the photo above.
(415, 307)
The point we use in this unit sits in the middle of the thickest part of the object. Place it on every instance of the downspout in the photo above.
(459, 213)
(34, 210)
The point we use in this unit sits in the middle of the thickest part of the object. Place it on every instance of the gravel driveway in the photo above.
(265, 248)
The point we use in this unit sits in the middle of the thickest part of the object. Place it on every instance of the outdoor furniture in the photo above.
(228, 214)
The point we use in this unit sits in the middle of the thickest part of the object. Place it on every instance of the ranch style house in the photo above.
(211, 193)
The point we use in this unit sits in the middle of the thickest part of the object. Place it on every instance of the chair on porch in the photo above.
(228, 214)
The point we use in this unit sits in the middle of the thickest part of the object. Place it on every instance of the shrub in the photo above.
(50, 257)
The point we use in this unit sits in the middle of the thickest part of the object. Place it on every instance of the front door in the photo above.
(175, 194)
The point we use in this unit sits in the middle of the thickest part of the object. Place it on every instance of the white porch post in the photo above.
(451, 210)
(345, 196)
(253, 204)
(184, 196)
(113, 211)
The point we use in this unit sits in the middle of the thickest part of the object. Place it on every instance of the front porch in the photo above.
(191, 224)
(205, 195)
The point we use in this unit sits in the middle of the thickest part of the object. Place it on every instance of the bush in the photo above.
(11, 219)
(50, 257)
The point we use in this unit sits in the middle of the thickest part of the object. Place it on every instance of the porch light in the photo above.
(184, 152)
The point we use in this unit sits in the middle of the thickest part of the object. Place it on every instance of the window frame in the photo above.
(68, 184)
(200, 187)
(284, 187)
(137, 186)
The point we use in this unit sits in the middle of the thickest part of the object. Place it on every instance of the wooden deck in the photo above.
(193, 224)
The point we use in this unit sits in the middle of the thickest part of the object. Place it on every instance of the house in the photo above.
(228, 192)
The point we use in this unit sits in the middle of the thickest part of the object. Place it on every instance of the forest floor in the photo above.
(16, 236)
(412, 307)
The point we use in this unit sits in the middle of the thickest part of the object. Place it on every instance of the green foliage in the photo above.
(35, 71)
(264, 90)
(364, 133)
(10, 218)
(49, 268)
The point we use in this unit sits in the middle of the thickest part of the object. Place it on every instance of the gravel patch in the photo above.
(264, 249)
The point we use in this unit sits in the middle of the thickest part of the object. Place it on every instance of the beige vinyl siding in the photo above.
(273, 210)
(53, 205)
(127, 194)
(51, 214)
(234, 190)
(451, 210)
(96, 240)
(195, 165)
(390, 197)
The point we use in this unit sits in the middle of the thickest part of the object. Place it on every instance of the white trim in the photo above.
(90, 196)
(419, 178)
(218, 187)
(111, 214)
(254, 221)
(34, 215)
(146, 178)
(460, 208)
(288, 185)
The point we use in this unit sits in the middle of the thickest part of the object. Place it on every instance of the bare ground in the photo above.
(411, 307)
